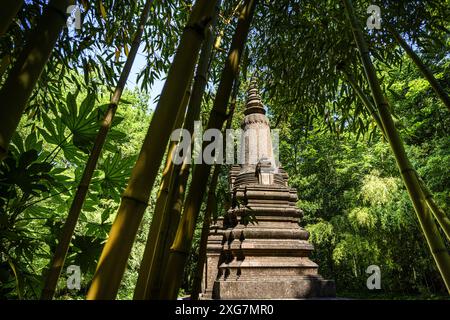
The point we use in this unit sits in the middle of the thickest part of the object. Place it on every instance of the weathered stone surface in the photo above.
(275, 288)
(213, 254)
(263, 252)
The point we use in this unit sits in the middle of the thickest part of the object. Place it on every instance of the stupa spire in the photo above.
(254, 104)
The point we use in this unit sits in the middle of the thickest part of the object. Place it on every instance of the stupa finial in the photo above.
(254, 104)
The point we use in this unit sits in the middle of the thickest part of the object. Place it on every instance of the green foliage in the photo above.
(27, 179)
(355, 205)
(37, 183)
(356, 208)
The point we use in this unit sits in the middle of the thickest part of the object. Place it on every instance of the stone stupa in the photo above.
(258, 250)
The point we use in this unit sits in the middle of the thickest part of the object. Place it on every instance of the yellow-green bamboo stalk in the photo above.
(77, 204)
(183, 239)
(10, 8)
(365, 100)
(113, 260)
(23, 76)
(426, 72)
(160, 233)
(226, 22)
(159, 221)
(410, 179)
(438, 213)
(210, 207)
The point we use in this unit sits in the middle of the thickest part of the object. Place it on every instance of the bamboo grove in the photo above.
(65, 120)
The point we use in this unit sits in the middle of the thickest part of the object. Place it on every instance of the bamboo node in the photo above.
(145, 203)
(199, 27)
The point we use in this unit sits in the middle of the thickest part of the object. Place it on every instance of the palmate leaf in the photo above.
(37, 210)
(20, 146)
(54, 133)
(27, 174)
(30, 171)
(88, 249)
(81, 120)
(116, 172)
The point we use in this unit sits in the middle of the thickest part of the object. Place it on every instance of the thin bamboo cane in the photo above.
(23, 76)
(113, 260)
(365, 100)
(183, 239)
(426, 72)
(432, 236)
(210, 204)
(438, 213)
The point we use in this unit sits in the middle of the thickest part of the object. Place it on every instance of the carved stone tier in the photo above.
(213, 254)
(266, 255)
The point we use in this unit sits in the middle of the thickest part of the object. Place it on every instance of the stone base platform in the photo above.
(302, 287)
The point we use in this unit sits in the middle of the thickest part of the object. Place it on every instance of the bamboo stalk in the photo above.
(210, 205)
(438, 213)
(426, 72)
(77, 203)
(183, 239)
(23, 76)
(173, 212)
(161, 229)
(159, 221)
(8, 13)
(181, 173)
(365, 100)
(113, 260)
(410, 179)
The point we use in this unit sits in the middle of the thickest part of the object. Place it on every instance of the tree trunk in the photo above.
(24, 74)
(210, 205)
(113, 260)
(421, 66)
(8, 13)
(182, 243)
(410, 179)
(151, 269)
(77, 203)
